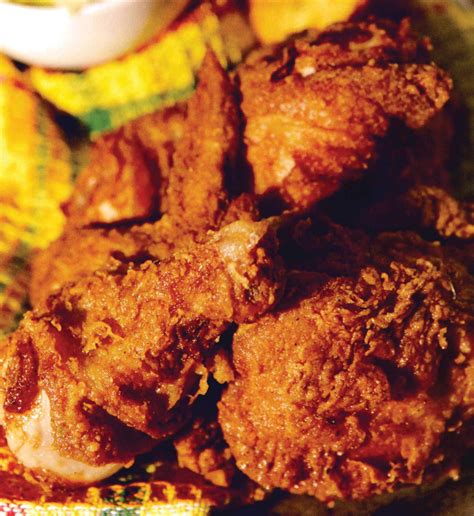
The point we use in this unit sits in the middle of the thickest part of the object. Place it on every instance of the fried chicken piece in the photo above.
(410, 160)
(360, 381)
(187, 302)
(131, 345)
(79, 252)
(316, 108)
(202, 449)
(44, 405)
(198, 197)
(205, 161)
(128, 171)
(164, 162)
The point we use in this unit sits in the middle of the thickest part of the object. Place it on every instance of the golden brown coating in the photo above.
(134, 172)
(205, 159)
(158, 134)
(128, 171)
(408, 160)
(117, 185)
(197, 199)
(202, 449)
(315, 108)
(160, 321)
(38, 374)
(79, 252)
(134, 343)
(362, 380)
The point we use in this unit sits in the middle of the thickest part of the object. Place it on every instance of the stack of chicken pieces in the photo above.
(274, 276)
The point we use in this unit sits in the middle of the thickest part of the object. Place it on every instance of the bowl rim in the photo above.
(86, 9)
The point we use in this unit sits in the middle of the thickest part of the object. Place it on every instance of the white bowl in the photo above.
(64, 38)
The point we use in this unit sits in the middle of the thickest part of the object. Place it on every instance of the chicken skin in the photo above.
(204, 171)
(79, 252)
(361, 381)
(132, 346)
(128, 173)
(316, 108)
(202, 449)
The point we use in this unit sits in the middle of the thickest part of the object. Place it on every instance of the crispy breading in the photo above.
(316, 107)
(165, 162)
(134, 342)
(165, 318)
(205, 159)
(361, 381)
(117, 185)
(79, 252)
(84, 428)
(202, 449)
(197, 199)
(128, 171)
(158, 134)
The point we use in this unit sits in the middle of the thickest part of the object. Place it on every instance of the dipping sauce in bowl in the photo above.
(77, 34)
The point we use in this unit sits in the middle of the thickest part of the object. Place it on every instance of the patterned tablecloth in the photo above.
(40, 155)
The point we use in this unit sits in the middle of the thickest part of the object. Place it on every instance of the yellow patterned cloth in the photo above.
(35, 177)
(157, 75)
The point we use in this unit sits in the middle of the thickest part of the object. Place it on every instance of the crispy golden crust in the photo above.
(79, 252)
(135, 341)
(128, 172)
(202, 449)
(158, 134)
(85, 431)
(316, 107)
(135, 173)
(205, 159)
(361, 381)
(197, 197)
(117, 185)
